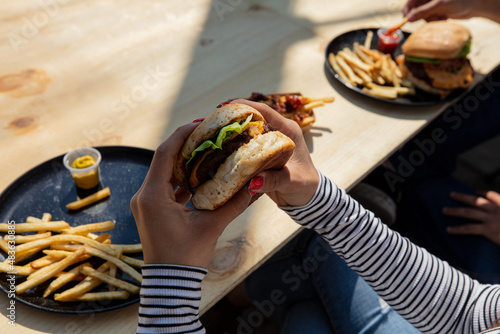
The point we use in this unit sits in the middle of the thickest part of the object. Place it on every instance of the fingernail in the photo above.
(251, 192)
(223, 103)
(198, 120)
(256, 183)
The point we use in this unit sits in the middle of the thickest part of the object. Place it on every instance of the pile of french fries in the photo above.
(376, 72)
(68, 253)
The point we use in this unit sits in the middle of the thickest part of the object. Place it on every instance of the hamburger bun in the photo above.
(437, 40)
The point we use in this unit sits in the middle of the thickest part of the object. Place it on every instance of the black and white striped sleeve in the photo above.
(430, 294)
(170, 298)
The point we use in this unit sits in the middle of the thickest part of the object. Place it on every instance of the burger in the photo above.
(227, 149)
(435, 58)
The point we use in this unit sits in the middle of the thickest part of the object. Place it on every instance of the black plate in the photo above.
(49, 187)
(421, 98)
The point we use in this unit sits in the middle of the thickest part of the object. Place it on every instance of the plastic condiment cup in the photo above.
(88, 177)
(388, 43)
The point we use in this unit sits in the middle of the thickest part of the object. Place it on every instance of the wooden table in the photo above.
(129, 72)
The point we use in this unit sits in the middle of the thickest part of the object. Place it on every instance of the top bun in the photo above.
(437, 40)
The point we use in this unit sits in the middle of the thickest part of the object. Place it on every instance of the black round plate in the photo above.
(48, 187)
(346, 40)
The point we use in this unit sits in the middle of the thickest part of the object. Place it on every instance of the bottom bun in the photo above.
(421, 84)
(267, 151)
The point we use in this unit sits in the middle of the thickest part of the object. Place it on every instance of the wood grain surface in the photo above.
(128, 72)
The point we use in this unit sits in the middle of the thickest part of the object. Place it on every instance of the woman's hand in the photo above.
(484, 209)
(296, 183)
(432, 10)
(170, 232)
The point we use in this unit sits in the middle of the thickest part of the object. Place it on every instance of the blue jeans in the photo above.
(314, 291)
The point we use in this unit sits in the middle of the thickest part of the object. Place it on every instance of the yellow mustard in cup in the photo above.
(83, 163)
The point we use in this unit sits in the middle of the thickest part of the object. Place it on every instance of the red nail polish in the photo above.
(256, 183)
(223, 103)
(198, 120)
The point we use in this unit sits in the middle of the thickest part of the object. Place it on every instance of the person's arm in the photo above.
(425, 290)
(178, 243)
(432, 10)
(431, 295)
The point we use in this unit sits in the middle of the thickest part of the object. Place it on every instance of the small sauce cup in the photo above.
(88, 177)
(388, 43)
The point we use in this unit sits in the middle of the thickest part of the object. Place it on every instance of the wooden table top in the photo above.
(78, 73)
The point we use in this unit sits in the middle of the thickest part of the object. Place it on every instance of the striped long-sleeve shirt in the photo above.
(427, 292)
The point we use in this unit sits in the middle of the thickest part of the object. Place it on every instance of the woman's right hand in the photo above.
(296, 183)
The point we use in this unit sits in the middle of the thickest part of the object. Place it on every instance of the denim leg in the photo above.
(351, 304)
(306, 317)
(317, 287)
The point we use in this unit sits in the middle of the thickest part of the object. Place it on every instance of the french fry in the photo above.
(119, 263)
(65, 238)
(101, 194)
(111, 280)
(20, 239)
(368, 39)
(381, 93)
(336, 67)
(64, 279)
(348, 71)
(88, 228)
(65, 247)
(35, 226)
(132, 248)
(4, 245)
(362, 55)
(60, 266)
(45, 261)
(131, 261)
(355, 61)
(84, 286)
(16, 270)
(363, 75)
(105, 295)
(112, 273)
(46, 217)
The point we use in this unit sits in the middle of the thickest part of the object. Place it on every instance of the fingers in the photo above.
(468, 213)
(472, 200)
(493, 196)
(475, 229)
(412, 4)
(164, 157)
(182, 195)
(222, 216)
(270, 181)
(427, 10)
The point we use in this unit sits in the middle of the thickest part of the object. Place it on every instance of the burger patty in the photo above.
(208, 168)
(451, 66)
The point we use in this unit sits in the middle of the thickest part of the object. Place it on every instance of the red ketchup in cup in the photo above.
(387, 43)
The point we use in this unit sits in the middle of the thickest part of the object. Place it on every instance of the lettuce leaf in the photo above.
(423, 60)
(223, 135)
(466, 49)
